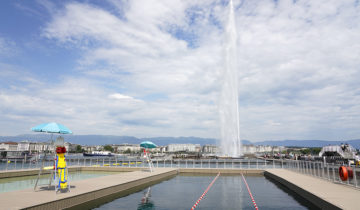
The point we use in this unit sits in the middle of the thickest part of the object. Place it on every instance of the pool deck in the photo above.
(322, 193)
(81, 191)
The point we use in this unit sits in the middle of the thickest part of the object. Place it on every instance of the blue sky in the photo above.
(154, 68)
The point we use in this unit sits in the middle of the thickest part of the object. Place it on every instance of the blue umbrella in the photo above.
(52, 128)
(147, 144)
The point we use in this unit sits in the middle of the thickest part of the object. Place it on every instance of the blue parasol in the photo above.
(52, 128)
(148, 144)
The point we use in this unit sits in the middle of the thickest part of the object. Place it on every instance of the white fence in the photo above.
(317, 169)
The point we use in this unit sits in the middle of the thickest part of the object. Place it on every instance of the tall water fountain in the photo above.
(230, 144)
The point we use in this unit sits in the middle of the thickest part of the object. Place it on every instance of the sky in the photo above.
(150, 68)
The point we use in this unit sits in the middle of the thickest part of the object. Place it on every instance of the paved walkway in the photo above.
(81, 191)
(342, 196)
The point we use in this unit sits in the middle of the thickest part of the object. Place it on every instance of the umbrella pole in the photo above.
(41, 168)
(42, 165)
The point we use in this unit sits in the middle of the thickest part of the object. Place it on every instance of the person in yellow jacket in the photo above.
(61, 168)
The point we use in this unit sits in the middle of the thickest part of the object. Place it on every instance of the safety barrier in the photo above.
(7, 165)
(328, 171)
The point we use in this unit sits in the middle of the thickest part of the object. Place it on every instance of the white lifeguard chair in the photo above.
(59, 142)
(146, 155)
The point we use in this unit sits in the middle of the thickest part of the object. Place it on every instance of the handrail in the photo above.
(319, 169)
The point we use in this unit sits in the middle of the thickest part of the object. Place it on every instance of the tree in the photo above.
(108, 148)
(312, 151)
(315, 150)
(128, 151)
(305, 151)
(79, 149)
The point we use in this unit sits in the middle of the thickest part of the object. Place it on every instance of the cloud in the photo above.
(8, 48)
(48, 5)
(299, 64)
(119, 96)
(154, 68)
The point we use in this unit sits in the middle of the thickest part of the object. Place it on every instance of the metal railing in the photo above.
(326, 171)
(140, 162)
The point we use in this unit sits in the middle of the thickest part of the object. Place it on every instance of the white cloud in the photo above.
(119, 96)
(153, 68)
(7, 47)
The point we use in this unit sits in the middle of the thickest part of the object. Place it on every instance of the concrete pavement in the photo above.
(322, 193)
(81, 191)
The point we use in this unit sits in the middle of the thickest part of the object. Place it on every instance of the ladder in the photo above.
(42, 168)
(148, 160)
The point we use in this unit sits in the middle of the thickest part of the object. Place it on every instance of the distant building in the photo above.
(121, 148)
(252, 149)
(47, 146)
(209, 148)
(99, 148)
(9, 146)
(23, 146)
(14, 150)
(183, 148)
(160, 149)
(39, 147)
(70, 147)
(88, 149)
(248, 149)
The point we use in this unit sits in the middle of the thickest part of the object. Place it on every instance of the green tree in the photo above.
(305, 151)
(311, 151)
(108, 148)
(79, 149)
(128, 151)
(315, 150)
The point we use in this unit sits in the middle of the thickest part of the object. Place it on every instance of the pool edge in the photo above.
(312, 198)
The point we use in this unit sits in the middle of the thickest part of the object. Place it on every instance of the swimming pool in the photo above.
(228, 192)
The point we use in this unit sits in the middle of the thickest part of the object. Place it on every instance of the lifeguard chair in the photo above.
(148, 145)
(146, 155)
(59, 171)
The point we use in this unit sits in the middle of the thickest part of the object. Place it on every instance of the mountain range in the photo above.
(161, 141)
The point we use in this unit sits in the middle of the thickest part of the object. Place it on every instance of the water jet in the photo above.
(230, 145)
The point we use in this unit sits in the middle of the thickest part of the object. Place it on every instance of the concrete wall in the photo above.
(33, 172)
(222, 171)
(29, 172)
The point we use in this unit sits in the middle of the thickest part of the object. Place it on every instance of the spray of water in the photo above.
(229, 105)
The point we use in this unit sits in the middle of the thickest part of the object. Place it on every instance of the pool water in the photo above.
(228, 192)
(20, 183)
